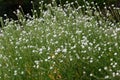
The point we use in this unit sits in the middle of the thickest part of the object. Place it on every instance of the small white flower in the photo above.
(61, 61)
(53, 56)
(91, 74)
(15, 72)
(111, 59)
(49, 57)
(105, 68)
(51, 67)
(37, 62)
(46, 60)
(78, 57)
(91, 61)
(106, 77)
(55, 35)
(58, 50)
(113, 74)
(114, 66)
(117, 74)
(99, 69)
(22, 72)
(84, 72)
(115, 54)
(64, 50)
(56, 53)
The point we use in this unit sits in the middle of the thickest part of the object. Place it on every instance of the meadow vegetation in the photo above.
(62, 43)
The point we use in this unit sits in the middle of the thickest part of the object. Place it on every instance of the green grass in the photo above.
(60, 45)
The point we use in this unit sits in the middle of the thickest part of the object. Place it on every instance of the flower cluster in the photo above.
(62, 44)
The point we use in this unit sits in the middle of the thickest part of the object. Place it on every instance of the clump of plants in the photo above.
(61, 44)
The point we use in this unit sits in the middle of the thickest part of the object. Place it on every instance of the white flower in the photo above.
(106, 77)
(58, 50)
(15, 72)
(46, 60)
(64, 50)
(78, 57)
(117, 74)
(49, 57)
(22, 72)
(51, 67)
(99, 69)
(53, 56)
(36, 62)
(91, 74)
(91, 61)
(105, 68)
(54, 35)
(113, 74)
(115, 54)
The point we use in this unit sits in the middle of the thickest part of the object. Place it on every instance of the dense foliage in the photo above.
(61, 44)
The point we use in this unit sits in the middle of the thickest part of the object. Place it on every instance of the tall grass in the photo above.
(61, 44)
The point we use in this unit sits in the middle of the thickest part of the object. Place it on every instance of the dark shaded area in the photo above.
(8, 6)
